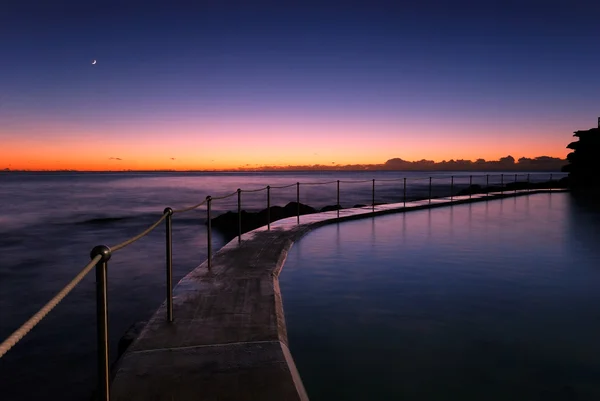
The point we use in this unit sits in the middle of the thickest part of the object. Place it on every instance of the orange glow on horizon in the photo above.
(252, 144)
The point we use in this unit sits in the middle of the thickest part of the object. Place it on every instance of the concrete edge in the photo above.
(294, 372)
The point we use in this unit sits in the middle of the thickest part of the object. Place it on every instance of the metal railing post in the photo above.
(269, 207)
(515, 183)
(451, 188)
(470, 186)
(528, 183)
(338, 198)
(501, 184)
(209, 231)
(373, 196)
(551, 185)
(239, 193)
(169, 253)
(298, 201)
(430, 190)
(404, 198)
(487, 184)
(102, 321)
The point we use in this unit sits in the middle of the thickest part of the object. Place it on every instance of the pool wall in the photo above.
(228, 340)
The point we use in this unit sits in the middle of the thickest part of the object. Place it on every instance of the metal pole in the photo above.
(338, 198)
(430, 190)
(298, 199)
(501, 184)
(487, 184)
(528, 184)
(373, 196)
(551, 185)
(404, 192)
(102, 321)
(268, 207)
(169, 251)
(470, 186)
(209, 231)
(451, 188)
(239, 191)
(515, 183)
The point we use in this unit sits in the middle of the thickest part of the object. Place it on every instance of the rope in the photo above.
(187, 209)
(35, 319)
(355, 182)
(224, 197)
(389, 179)
(283, 186)
(140, 235)
(255, 190)
(318, 183)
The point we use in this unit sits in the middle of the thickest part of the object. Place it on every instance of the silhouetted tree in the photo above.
(584, 160)
(509, 160)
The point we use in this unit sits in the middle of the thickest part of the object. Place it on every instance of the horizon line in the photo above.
(523, 169)
(545, 163)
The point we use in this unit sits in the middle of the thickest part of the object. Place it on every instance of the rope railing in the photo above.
(101, 254)
(253, 190)
(26, 327)
(139, 236)
(224, 196)
(187, 209)
(318, 183)
(389, 179)
(354, 181)
(283, 186)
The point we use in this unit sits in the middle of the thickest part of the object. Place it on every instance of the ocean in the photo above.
(49, 222)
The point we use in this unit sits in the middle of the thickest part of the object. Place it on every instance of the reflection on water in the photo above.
(485, 301)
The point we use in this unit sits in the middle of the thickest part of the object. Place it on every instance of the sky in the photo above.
(223, 85)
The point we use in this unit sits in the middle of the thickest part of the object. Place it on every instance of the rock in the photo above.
(330, 208)
(227, 223)
(472, 189)
(511, 186)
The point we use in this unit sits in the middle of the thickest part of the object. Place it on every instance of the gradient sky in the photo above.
(203, 85)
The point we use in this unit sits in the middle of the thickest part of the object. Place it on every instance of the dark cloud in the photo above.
(172, 158)
(114, 158)
(540, 163)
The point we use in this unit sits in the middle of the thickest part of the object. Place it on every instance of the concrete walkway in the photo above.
(229, 340)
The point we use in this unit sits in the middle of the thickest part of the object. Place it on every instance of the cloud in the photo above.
(540, 163)
(172, 158)
(114, 158)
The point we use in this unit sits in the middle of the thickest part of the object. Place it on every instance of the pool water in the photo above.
(485, 301)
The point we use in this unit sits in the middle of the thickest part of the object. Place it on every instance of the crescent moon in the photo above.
(94, 62)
